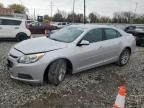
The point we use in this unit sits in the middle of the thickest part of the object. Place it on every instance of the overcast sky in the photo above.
(102, 7)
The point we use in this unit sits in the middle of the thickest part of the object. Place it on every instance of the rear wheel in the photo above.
(57, 71)
(21, 37)
(124, 57)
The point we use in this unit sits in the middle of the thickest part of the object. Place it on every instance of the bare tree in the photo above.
(57, 17)
(93, 17)
(123, 17)
(18, 8)
(63, 13)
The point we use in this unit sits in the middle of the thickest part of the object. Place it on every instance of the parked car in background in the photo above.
(61, 24)
(32, 22)
(12, 28)
(71, 49)
(138, 32)
(39, 28)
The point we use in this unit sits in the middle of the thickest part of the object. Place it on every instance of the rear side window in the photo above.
(63, 23)
(94, 35)
(10, 22)
(111, 34)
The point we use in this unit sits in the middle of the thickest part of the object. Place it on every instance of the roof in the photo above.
(6, 11)
(10, 18)
(91, 26)
(87, 27)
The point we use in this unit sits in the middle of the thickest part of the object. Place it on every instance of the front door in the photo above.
(10, 28)
(87, 56)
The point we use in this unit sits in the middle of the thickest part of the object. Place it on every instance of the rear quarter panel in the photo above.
(23, 29)
(129, 41)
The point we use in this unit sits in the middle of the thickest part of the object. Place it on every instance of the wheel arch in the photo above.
(20, 33)
(21, 36)
(129, 48)
(69, 68)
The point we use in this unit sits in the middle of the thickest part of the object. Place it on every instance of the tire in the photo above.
(57, 71)
(21, 36)
(124, 57)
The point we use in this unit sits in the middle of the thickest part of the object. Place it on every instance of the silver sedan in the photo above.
(72, 49)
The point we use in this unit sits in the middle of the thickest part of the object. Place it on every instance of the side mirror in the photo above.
(84, 42)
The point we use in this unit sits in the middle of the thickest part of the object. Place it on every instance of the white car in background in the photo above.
(12, 28)
(61, 24)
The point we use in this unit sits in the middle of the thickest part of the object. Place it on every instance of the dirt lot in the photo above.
(95, 88)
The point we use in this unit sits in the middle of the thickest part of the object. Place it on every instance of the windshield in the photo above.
(67, 35)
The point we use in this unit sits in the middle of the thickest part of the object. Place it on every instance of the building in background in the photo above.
(6, 12)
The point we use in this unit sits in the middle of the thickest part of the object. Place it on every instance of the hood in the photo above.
(42, 44)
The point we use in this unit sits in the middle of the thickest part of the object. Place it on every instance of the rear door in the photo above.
(1, 29)
(10, 28)
(88, 56)
(111, 45)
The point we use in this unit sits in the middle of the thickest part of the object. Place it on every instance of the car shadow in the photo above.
(8, 40)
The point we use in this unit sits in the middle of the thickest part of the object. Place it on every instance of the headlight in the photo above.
(26, 59)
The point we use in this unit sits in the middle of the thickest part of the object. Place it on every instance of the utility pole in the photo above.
(73, 11)
(135, 12)
(84, 12)
(34, 14)
(51, 6)
(136, 7)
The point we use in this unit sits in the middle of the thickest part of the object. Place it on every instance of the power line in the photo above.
(34, 14)
(84, 12)
(73, 11)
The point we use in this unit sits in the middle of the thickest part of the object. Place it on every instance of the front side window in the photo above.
(94, 35)
(10, 22)
(67, 35)
(111, 33)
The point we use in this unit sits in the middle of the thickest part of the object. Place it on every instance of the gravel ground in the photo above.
(95, 88)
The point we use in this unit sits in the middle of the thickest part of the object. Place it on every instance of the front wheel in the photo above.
(21, 37)
(57, 71)
(124, 57)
